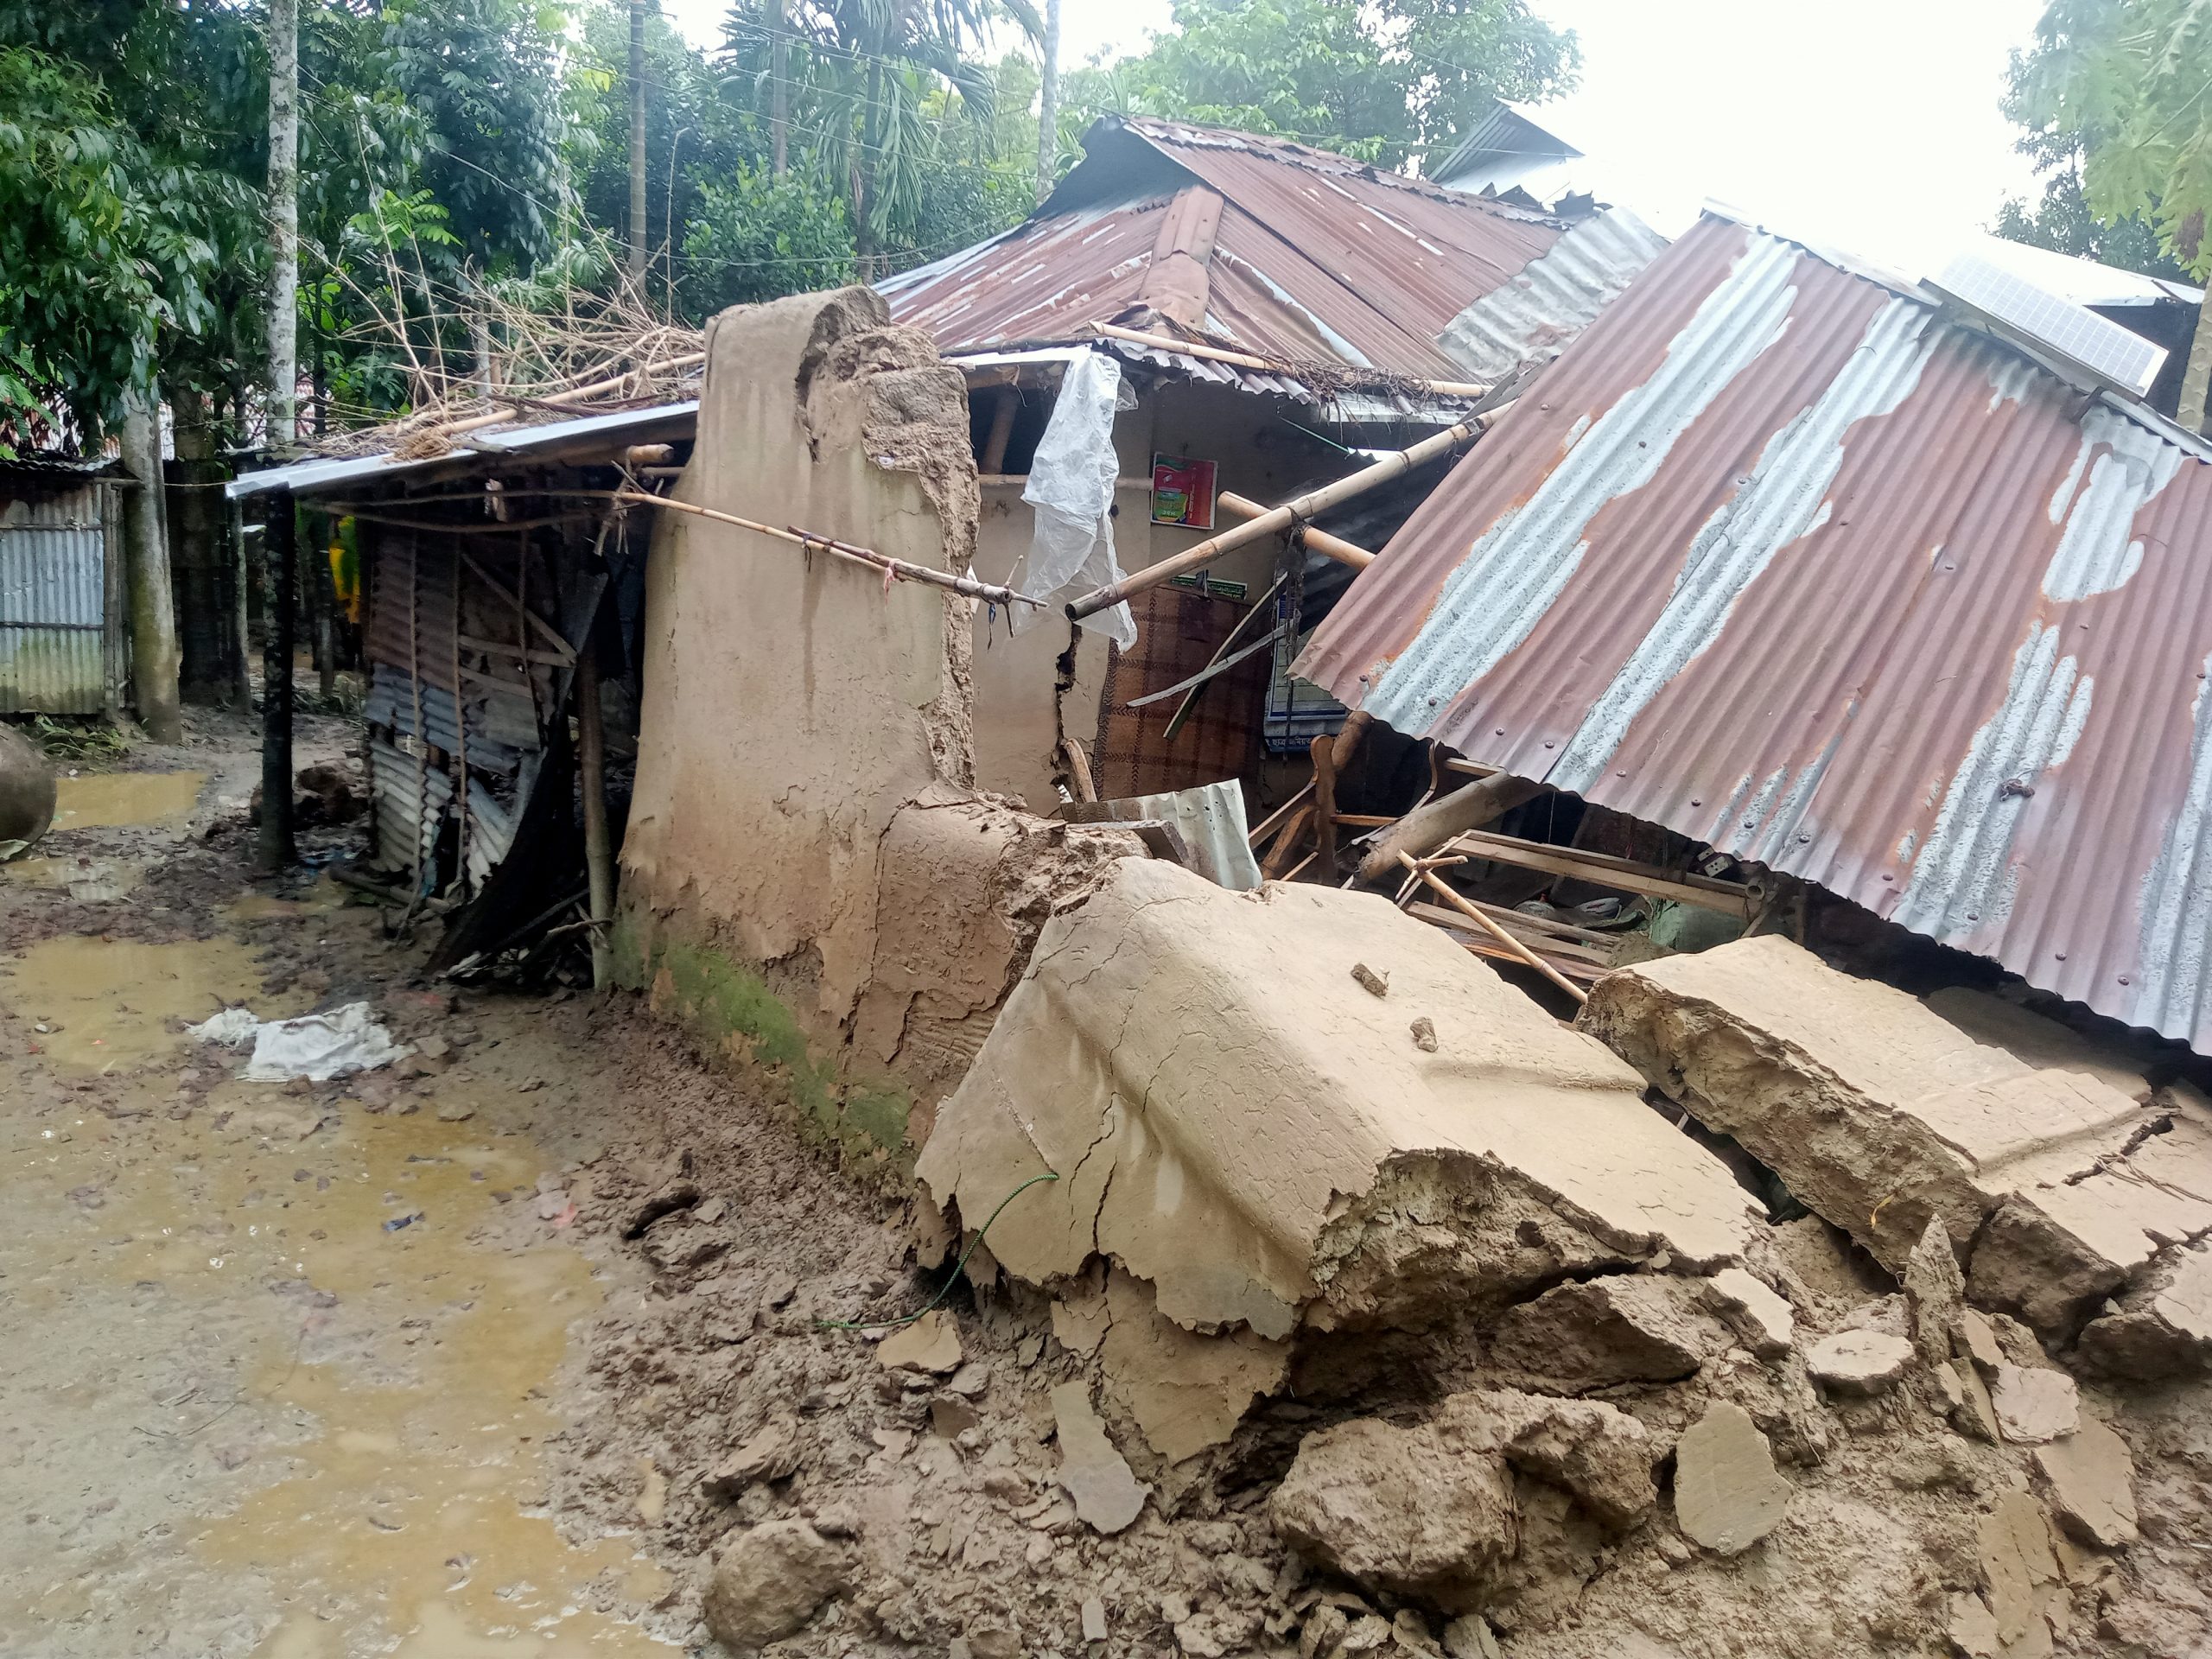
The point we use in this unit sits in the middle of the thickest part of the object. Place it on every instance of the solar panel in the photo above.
(2102, 347)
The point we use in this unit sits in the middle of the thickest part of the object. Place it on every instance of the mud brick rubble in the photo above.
(1374, 1310)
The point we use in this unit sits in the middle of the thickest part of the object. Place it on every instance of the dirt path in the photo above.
(283, 1366)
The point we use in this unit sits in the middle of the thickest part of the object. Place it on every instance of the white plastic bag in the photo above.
(1070, 492)
(317, 1046)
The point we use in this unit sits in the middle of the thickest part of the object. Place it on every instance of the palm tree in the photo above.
(868, 77)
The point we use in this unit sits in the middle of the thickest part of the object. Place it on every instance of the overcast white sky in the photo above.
(1873, 126)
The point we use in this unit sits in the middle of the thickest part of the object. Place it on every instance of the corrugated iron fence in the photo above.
(62, 607)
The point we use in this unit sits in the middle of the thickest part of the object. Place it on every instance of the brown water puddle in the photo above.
(88, 881)
(402, 1427)
(109, 1005)
(97, 800)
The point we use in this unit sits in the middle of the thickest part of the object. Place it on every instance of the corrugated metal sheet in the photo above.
(1554, 298)
(1504, 144)
(53, 583)
(1311, 258)
(1777, 557)
(533, 435)
(411, 801)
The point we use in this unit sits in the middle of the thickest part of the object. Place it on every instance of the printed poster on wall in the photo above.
(1182, 492)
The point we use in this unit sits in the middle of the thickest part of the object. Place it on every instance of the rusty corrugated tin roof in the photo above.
(1776, 557)
(1273, 248)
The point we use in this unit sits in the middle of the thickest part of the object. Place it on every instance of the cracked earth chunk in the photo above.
(1727, 1495)
(1578, 1337)
(2022, 1568)
(1879, 1116)
(1187, 1391)
(1758, 1314)
(2162, 1328)
(2034, 1405)
(1859, 1361)
(772, 1454)
(767, 1582)
(1394, 1511)
(1597, 1452)
(1290, 1157)
(1108, 1497)
(2091, 1480)
(1936, 1296)
(929, 1344)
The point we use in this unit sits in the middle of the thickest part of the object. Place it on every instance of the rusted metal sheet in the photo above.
(1554, 298)
(53, 614)
(1777, 557)
(1275, 248)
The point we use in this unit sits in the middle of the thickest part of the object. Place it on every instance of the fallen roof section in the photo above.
(582, 435)
(1779, 556)
(1288, 252)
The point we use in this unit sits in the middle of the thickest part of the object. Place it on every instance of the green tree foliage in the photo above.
(452, 149)
(696, 132)
(884, 100)
(2130, 81)
(755, 238)
(483, 79)
(1390, 83)
(111, 247)
(2060, 219)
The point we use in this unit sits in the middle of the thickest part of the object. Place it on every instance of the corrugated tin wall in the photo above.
(56, 653)
(464, 661)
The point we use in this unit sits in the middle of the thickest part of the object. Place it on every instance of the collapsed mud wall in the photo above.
(808, 882)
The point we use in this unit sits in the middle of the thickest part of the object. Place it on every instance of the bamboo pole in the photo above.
(900, 569)
(1447, 442)
(1269, 366)
(559, 399)
(1319, 540)
(1510, 942)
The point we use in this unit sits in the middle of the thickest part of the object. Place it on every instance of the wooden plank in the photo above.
(1540, 941)
(1604, 870)
(1280, 813)
(1286, 844)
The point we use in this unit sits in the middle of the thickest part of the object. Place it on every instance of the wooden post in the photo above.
(280, 564)
(241, 674)
(1323, 749)
(1008, 403)
(322, 603)
(1306, 535)
(1426, 828)
(591, 768)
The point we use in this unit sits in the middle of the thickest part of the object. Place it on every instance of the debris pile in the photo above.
(1329, 1340)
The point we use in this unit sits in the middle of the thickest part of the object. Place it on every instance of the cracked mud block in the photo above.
(2058, 1188)
(2162, 1328)
(1727, 1493)
(1235, 1122)
(1647, 1328)
(1472, 1505)
(2090, 1478)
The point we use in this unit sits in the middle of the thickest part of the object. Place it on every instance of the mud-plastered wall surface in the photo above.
(796, 709)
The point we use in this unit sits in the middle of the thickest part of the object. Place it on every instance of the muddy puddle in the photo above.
(109, 799)
(291, 1365)
(87, 880)
(104, 1006)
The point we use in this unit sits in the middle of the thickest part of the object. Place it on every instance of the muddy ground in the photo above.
(486, 1353)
